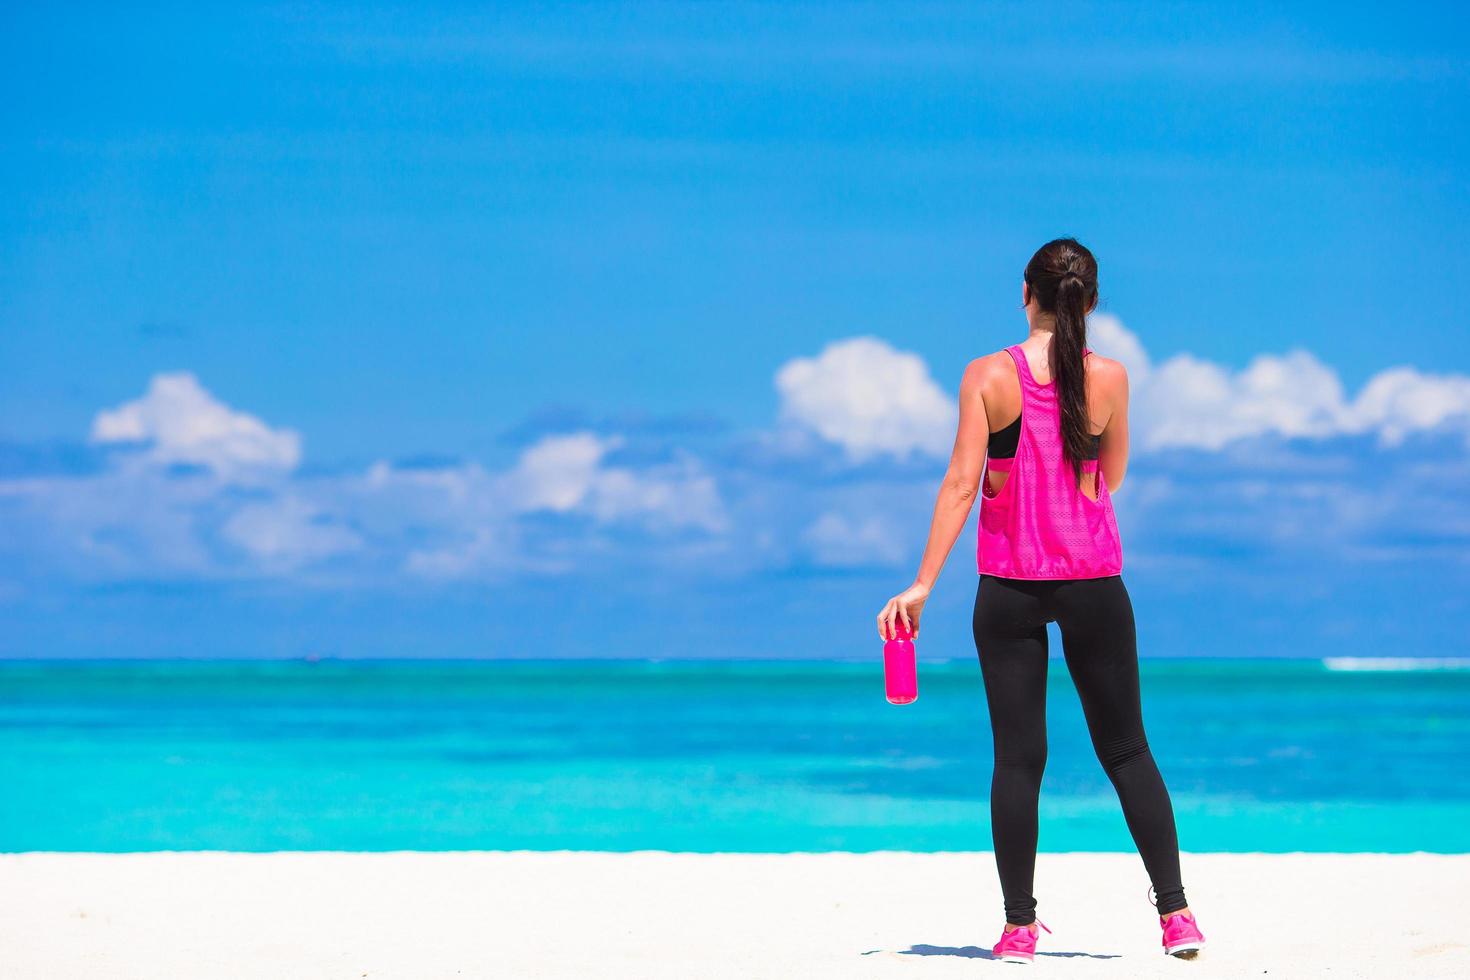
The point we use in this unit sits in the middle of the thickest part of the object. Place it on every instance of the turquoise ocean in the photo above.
(1278, 755)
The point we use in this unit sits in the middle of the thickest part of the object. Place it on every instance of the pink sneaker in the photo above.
(1017, 945)
(1182, 937)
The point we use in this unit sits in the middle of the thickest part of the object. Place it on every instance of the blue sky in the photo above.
(560, 330)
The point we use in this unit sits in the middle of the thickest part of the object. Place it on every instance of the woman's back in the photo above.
(1045, 519)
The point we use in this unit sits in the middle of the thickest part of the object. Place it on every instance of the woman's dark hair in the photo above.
(1063, 278)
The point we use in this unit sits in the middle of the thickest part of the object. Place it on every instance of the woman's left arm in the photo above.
(952, 508)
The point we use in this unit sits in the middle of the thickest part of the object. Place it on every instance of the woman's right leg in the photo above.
(1010, 637)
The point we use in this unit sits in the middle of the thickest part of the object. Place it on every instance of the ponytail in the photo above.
(1068, 351)
(1063, 277)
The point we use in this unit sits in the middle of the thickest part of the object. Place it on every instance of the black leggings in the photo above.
(1096, 622)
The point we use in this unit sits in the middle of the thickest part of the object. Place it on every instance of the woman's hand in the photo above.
(906, 607)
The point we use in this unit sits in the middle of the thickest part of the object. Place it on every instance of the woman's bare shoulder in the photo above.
(1108, 373)
(983, 371)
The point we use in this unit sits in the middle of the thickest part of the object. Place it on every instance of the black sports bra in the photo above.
(1003, 443)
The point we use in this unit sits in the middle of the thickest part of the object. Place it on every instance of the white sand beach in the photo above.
(652, 915)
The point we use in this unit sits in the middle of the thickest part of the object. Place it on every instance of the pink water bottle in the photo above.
(900, 669)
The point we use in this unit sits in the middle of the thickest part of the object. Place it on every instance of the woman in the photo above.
(1052, 418)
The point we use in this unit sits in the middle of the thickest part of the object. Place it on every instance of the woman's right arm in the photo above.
(952, 508)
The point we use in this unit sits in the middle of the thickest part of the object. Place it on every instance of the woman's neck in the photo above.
(1043, 326)
(1042, 331)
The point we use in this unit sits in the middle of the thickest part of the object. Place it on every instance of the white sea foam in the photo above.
(1396, 663)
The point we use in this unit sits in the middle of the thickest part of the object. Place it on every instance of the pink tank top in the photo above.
(1040, 525)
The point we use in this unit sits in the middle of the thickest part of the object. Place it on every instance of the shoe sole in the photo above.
(1185, 951)
(1011, 958)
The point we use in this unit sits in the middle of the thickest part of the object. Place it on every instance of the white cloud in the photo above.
(1401, 400)
(560, 472)
(288, 532)
(484, 550)
(244, 511)
(679, 495)
(1188, 402)
(181, 422)
(477, 509)
(1107, 335)
(113, 524)
(565, 473)
(842, 541)
(868, 398)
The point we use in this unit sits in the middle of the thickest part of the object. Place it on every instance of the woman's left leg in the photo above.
(1098, 637)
